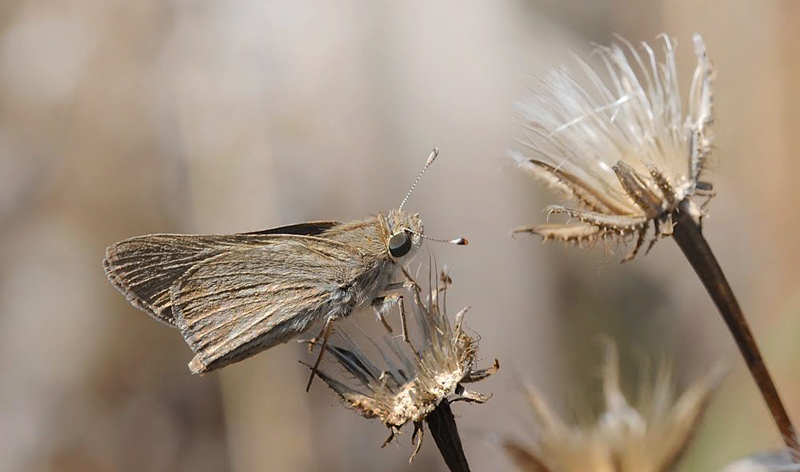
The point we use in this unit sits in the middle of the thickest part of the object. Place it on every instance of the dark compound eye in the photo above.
(399, 244)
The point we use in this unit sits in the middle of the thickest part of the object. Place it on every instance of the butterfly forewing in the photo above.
(243, 301)
(145, 267)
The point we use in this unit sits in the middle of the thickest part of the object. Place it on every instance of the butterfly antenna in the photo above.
(325, 334)
(428, 163)
(456, 241)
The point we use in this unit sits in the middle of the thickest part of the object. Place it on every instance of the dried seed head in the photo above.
(777, 461)
(620, 151)
(649, 438)
(409, 381)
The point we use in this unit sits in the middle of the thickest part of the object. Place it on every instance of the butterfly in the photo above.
(234, 295)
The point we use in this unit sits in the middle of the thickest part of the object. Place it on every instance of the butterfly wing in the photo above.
(313, 228)
(238, 303)
(145, 267)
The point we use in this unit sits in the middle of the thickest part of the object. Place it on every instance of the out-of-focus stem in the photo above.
(443, 428)
(694, 246)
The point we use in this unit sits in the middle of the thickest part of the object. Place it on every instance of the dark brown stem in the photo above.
(694, 246)
(443, 428)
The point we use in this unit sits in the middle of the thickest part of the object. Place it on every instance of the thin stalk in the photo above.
(443, 428)
(694, 246)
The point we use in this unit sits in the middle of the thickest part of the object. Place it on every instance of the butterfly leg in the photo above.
(396, 286)
(382, 305)
(325, 334)
(410, 284)
(404, 323)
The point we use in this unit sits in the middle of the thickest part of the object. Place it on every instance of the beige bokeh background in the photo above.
(120, 118)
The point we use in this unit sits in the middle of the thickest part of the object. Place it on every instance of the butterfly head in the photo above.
(405, 233)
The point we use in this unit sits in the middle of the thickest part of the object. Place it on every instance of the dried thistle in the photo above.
(621, 152)
(413, 382)
(777, 461)
(650, 438)
(624, 155)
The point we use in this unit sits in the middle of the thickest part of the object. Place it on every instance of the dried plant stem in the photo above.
(694, 246)
(443, 428)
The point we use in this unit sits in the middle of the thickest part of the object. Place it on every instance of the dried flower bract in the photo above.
(620, 150)
(410, 380)
(776, 461)
(649, 438)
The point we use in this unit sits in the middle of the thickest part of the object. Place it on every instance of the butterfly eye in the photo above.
(399, 244)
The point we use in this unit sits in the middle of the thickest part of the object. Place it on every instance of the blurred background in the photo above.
(121, 118)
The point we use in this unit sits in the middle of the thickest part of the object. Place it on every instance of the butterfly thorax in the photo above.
(371, 236)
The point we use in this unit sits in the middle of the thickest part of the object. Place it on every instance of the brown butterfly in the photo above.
(235, 295)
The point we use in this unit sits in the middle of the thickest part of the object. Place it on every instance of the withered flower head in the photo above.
(410, 380)
(776, 461)
(649, 438)
(620, 150)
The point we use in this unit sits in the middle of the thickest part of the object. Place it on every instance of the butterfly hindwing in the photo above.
(243, 301)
